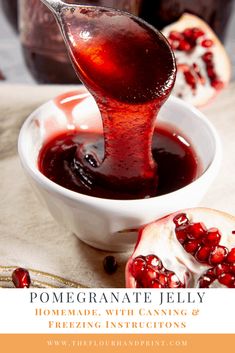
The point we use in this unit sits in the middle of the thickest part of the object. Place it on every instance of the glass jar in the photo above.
(42, 43)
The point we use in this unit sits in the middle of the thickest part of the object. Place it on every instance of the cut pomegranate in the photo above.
(21, 278)
(197, 48)
(193, 248)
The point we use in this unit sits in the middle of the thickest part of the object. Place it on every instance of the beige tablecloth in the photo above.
(29, 237)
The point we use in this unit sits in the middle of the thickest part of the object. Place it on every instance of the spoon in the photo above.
(54, 5)
(129, 68)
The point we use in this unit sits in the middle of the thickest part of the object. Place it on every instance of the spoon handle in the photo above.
(54, 5)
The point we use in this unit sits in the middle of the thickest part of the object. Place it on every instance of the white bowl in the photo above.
(112, 224)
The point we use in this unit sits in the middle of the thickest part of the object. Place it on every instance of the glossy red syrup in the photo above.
(130, 70)
(177, 164)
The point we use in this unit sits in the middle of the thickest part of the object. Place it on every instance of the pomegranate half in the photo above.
(203, 65)
(190, 248)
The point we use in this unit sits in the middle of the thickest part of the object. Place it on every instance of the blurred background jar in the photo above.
(10, 9)
(43, 46)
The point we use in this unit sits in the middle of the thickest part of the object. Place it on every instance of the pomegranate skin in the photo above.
(205, 259)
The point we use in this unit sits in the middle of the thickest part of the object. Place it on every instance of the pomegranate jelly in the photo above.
(58, 162)
(130, 70)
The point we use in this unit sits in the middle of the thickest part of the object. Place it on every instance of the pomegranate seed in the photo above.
(184, 46)
(218, 255)
(217, 84)
(196, 67)
(212, 238)
(211, 272)
(207, 57)
(231, 256)
(233, 231)
(222, 268)
(197, 32)
(173, 281)
(156, 284)
(181, 233)
(191, 246)
(202, 80)
(211, 72)
(180, 219)
(203, 253)
(154, 262)
(188, 32)
(197, 70)
(190, 79)
(207, 43)
(183, 67)
(205, 281)
(174, 44)
(226, 279)
(110, 264)
(232, 285)
(138, 267)
(197, 230)
(148, 276)
(174, 35)
(163, 279)
(21, 278)
(232, 268)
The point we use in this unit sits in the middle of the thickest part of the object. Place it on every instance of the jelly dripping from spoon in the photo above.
(130, 70)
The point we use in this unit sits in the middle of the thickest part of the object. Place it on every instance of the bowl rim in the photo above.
(50, 186)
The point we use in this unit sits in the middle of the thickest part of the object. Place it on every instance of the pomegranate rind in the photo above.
(159, 238)
(204, 93)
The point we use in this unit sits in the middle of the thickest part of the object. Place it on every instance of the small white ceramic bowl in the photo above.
(111, 224)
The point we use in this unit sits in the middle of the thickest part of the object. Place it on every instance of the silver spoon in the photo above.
(55, 5)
